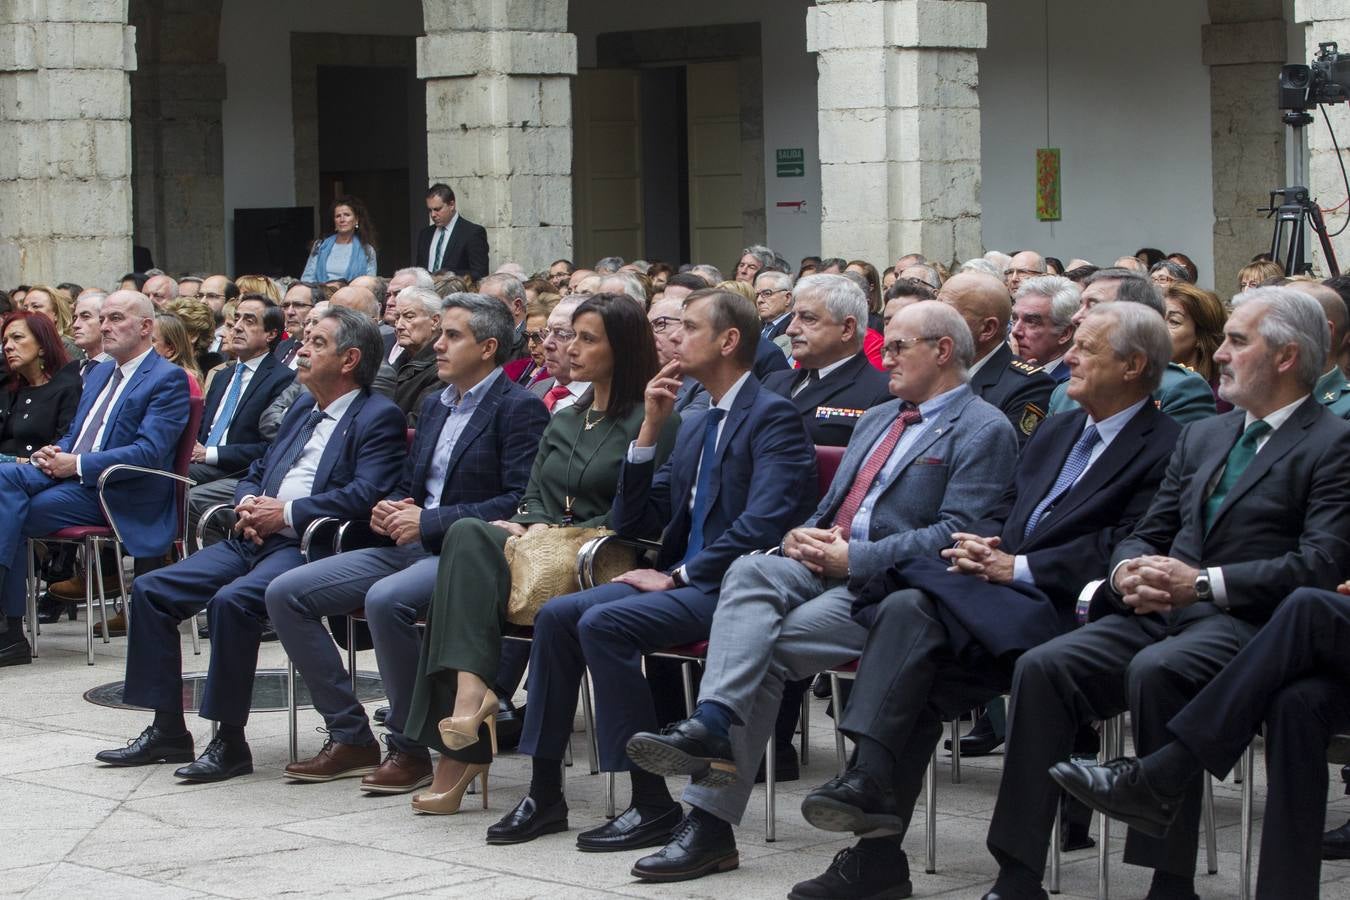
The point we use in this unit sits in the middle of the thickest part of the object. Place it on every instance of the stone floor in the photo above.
(71, 828)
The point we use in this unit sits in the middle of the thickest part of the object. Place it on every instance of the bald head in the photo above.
(983, 301)
(359, 299)
(1024, 264)
(161, 289)
(1338, 316)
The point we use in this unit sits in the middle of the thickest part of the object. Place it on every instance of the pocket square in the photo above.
(930, 461)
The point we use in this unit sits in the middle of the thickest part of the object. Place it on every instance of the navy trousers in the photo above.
(605, 629)
(34, 505)
(229, 580)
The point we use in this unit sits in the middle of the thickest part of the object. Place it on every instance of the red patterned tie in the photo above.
(875, 463)
(555, 393)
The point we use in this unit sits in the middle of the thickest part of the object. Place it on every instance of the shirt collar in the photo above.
(1112, 425)
(825, 370)
(130, 366)
(934, 405)
(450, 226)
(338, 408)
(451, 399)
(1277, 418)
(577, 388)
(729, 397)
(252, 364)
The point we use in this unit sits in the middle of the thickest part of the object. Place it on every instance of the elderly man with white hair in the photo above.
(1042, 322)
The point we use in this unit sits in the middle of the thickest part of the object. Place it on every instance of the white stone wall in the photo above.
(65, 188)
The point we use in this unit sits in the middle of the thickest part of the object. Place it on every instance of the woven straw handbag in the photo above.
(543, 565)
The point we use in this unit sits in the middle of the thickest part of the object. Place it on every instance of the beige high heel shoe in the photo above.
(447, 803)
(459, 732)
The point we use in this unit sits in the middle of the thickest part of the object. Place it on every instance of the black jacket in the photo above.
(831, 406)
(466, 251)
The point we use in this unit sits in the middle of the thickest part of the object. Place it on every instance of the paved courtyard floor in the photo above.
(70, 828)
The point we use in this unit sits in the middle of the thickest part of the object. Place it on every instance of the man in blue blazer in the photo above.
(920, 467)
(471, 458)
(132, 411)
(229, 440)
(337, 452)
(944, 633)
(741, 474)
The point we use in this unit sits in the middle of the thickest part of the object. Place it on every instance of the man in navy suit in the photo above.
(471, 458)
(943, 635)
(229, 440)
(132, 412)
(451, 243)
(741, 474)
(337, 452)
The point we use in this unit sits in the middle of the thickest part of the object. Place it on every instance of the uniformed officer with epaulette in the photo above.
(1184, 395)
(1015, 386)
(1332, 389)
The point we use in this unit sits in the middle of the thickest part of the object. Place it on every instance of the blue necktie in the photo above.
(1073, 467)
(276, 473)
(707, 462)
(227, 411)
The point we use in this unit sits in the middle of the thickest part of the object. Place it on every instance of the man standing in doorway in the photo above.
(451, 243)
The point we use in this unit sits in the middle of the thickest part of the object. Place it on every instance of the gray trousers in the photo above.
(776, 621)
(395, 584)
(202, 497)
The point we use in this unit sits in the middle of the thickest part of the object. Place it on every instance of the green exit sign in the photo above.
(791, 162)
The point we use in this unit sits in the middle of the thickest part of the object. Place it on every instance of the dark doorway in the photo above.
(365, 136)
(665, 164)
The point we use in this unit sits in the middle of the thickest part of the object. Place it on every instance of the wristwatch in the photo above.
(1202, 588)
(677, 576)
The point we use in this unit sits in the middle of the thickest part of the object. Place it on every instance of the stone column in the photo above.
(65, 186)
(1244, 47)
(899, 126)
(499, 119)
(176, 97)
(1326, 20)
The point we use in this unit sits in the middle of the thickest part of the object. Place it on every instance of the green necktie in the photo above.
(1243, 452)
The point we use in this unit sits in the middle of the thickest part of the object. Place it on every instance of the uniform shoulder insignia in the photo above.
(1026, 368)
(1032, 415)
(1186, 367)
(1328, 396)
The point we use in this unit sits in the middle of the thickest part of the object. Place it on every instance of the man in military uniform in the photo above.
(1015, 386)
(1332, 389)
(1184, 395)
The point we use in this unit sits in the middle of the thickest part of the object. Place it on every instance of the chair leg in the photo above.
(351, 655)
(567, 756)
(1245, 854)
(1055, 831)
(92, 547)
(32, 598)
(89, 604)
(806, 728)
(687, 676)
(122, 585)
(930, 784)
(192, 630)
(292, 718)
(838, 735)
(592, 742)
(1109, 728)
(770, 783)
(1207, 811)
(609, 795)
(956, 750)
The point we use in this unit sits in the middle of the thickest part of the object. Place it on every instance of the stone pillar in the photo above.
(65, 186)
(499, 119)
(178, 169)
(1244, 47)
(899, 124)
(1326, 20)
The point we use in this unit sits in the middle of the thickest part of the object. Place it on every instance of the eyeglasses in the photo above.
(900, 345)
(1025, 273)
(536, 337)
(661, 323)
(212, 296)
(296, 304)
(560, 334)
(768, 292)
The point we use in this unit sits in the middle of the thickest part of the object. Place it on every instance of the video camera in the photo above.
(1327, 80)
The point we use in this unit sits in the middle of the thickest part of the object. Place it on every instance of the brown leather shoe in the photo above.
(73, 588)
(398, 774)
(335, 761)
(117, 625)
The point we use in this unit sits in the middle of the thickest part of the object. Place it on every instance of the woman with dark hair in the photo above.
(659, 273)
(40, 396)
(349, 252)
(1195, 319)
(573, 482)
(1148, 255)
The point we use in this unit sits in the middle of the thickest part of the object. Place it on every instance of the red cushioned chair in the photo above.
(93, 537)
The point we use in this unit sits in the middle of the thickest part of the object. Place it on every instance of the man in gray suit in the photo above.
(917, 470)
(1252, 506)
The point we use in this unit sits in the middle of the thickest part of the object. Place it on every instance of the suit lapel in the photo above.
(429, 430)
(1029, 498)
(821, 392)
(1217, 455)
(333, 449)
(255, 384)
(937, 429)
(990, 372)
(142, 372)
(1277, 445)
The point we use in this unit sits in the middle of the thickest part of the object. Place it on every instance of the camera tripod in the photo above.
(1296, 212)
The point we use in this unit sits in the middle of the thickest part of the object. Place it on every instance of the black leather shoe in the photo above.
(853, 802)
(510, 722)
(1119, 790)
(1336, 843)
(221, 760)
(999, 895)
(381, 715)
(685, 748)
(16, 653)
(858, 873)
(786, 766)
(701, 845)
(51, 608)
(527, 822)
(633, 829)
(979, 741)
(153, 746)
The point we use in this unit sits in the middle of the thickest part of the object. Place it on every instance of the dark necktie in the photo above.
(1243, 452)
(707, 461)
(870, 469)
(1074, 466)
(285, 461)
(810, 378)
(440, 248)
(97, 419)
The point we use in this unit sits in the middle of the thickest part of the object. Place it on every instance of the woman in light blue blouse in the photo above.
(349, 251)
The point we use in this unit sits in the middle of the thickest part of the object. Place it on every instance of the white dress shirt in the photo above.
(128, 369)
(574, 391)
(299, 481)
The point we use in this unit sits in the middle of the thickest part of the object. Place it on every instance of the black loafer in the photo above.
(999, 895)
(221, 760)
(853, 802)
(685, 748)
(859, 873)
(153, 746)
(1119, 790)
(16, 653)
(701, 845)
(634, 828)
(510, 722)
(527, 822)
(1336, 843)
(381, 715)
